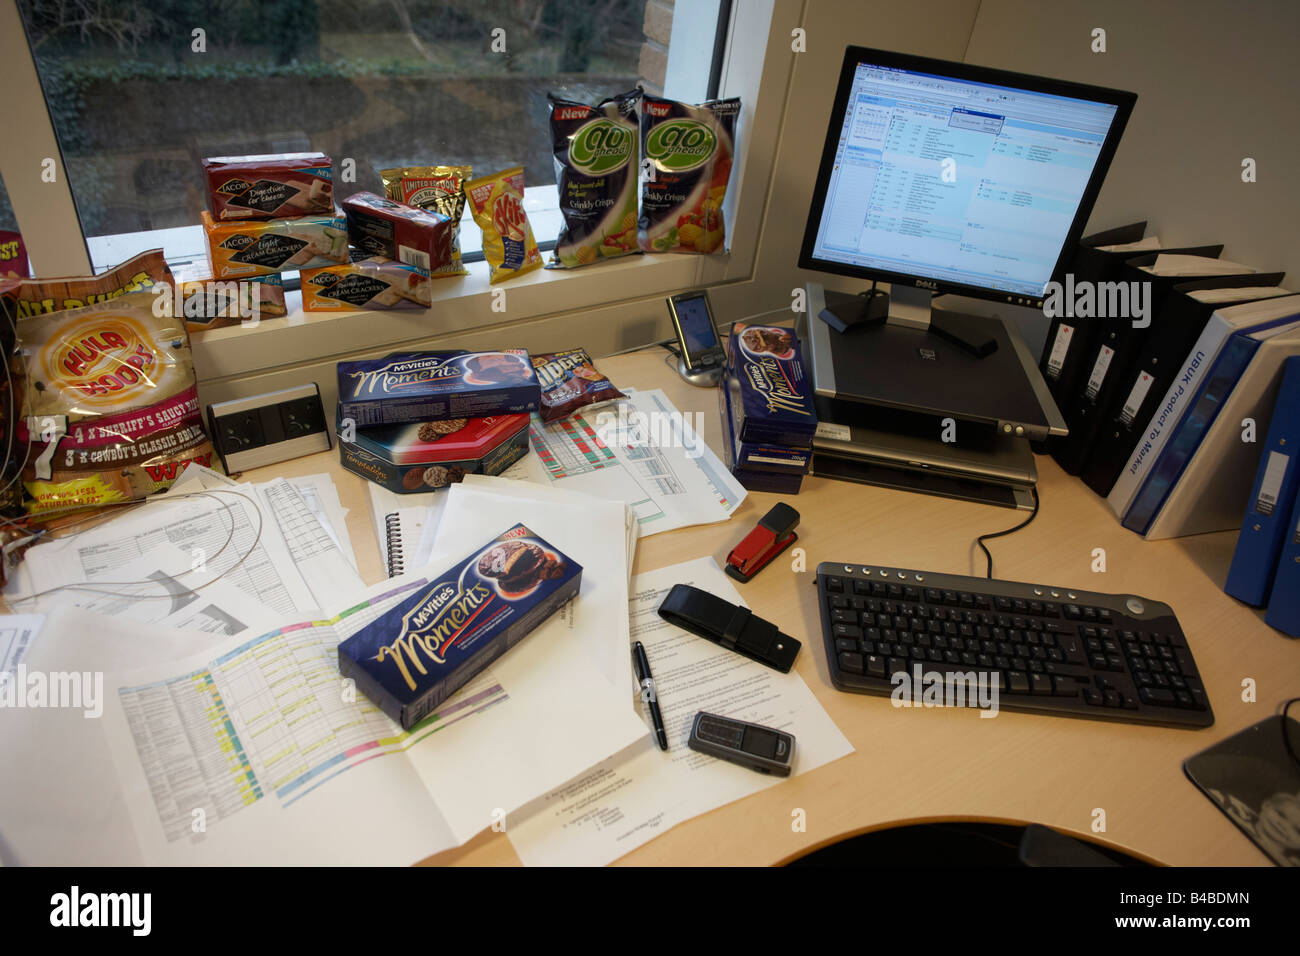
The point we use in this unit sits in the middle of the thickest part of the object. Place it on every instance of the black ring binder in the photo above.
(393, 540)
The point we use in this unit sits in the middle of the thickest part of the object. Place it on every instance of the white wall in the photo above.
(1216, 81)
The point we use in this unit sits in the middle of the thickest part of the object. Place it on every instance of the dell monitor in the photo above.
(941, 177)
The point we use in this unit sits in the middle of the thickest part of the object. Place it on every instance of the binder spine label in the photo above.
(1271, 486)
(1099, 369)
(1060, 346)
(1135, 398)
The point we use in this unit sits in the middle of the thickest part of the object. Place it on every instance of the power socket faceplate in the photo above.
(265, 429)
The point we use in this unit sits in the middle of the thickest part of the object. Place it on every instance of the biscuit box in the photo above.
(242, 249)
(761, 456)
(423, 238)
(434, 386)
(775, 403)
(753, 478)
(419, 653)
(368, 283)
(407, 459)
(208, 303)
(269, 187)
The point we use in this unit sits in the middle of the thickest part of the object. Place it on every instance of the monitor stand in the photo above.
(903, 306)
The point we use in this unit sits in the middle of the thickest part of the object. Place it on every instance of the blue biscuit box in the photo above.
(773, 401)
(759, 456)
(425, 649)
(436, 386)
(756, 477)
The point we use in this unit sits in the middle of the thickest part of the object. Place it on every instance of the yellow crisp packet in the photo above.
(497, 202)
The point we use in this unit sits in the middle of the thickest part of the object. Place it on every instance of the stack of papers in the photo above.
(245, 745)
(641, 451)
(208, 551)
(623, 802)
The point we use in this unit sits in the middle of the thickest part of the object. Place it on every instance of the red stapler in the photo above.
(775, 533)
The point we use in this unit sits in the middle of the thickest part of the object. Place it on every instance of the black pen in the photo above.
(641, 664)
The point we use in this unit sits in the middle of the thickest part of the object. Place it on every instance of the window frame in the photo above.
(606, 308)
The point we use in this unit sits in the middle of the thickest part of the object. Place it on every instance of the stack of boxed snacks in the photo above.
(767, 409)
(416, 421)
(268, 215)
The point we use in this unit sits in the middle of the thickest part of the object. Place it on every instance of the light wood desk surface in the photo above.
(916, 765)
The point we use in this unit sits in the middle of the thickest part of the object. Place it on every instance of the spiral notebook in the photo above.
(399, 524)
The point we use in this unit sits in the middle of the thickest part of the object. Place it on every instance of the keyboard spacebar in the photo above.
(1062, 680)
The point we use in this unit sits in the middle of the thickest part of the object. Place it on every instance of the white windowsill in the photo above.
(185, 244)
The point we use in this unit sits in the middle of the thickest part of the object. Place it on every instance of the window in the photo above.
(138, 94)
(605, 308)
(13, 255)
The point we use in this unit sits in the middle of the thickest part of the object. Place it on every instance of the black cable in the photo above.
(998, 534)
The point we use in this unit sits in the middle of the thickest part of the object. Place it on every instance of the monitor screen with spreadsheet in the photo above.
(958, 178)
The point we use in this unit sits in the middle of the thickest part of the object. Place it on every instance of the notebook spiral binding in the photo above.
(393, 540)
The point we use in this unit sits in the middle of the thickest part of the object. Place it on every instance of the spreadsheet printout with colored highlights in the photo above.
(252, 752)
(642, 451)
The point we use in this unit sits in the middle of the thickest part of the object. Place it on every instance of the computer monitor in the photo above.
(941, 177)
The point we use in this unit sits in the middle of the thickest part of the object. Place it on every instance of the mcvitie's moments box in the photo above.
(426, 648)
(434, 386)
(774, 402)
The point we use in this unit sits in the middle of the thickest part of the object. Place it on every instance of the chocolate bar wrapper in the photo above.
(368, 283)
(439, 189)
(417, 237)
(434, 386)
(240, 249)
(424, 649)
(408, 459)
(269, 187)
(773, 403)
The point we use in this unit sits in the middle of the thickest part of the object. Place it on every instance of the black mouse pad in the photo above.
(1255, 780)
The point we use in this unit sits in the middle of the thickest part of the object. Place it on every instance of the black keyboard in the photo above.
(1051, 650)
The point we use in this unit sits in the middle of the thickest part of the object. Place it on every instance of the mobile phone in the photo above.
(697, 334)
(750, 745)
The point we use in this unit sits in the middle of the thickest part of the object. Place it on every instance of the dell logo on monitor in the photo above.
(927, 284)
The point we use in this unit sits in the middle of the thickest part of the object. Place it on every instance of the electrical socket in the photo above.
(265, 429)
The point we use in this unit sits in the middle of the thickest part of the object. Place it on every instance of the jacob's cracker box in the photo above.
(367, 282)
(269, 187)
(434, 386)
(424, 649)
(242, 249)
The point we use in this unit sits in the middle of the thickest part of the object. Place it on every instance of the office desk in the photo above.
(918, 765)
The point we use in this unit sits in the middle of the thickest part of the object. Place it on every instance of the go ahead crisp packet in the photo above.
(595, 149)
(497, 202)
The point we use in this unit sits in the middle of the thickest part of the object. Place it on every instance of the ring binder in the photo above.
(393, 540)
